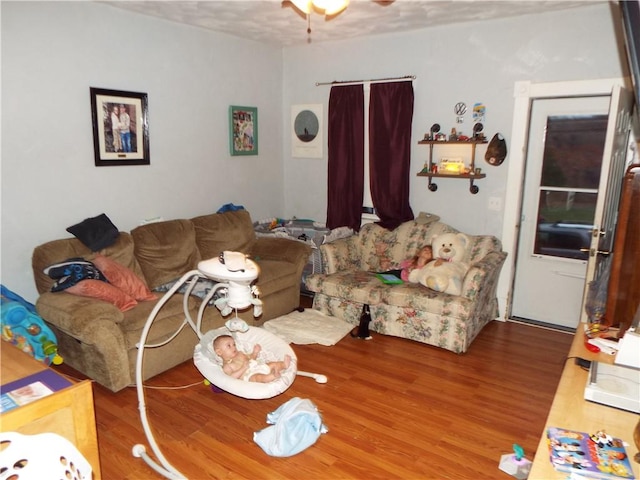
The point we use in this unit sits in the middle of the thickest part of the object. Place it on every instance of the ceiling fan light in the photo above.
(303, 5)
(331, 7)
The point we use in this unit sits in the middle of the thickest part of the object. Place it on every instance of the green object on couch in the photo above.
(408, 310)
(99, 340)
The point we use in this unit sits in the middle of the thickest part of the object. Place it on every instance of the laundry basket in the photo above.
(41, 456)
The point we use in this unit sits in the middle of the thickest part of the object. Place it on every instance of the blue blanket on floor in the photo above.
(295, 425)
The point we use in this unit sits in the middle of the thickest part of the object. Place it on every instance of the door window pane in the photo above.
(571, 166)
(573, 151)
(565, 222)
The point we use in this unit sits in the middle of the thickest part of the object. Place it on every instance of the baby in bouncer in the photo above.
(240, 365)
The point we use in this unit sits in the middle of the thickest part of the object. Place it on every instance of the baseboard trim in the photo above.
(543, 325)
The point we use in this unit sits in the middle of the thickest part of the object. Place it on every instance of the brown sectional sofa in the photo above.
(99, 340)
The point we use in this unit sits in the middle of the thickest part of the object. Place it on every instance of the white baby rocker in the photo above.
(235, 274)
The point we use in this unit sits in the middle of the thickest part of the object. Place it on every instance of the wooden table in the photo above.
(69, 412)
(571, 411)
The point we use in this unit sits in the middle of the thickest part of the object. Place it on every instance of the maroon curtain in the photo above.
(346, 156)
(390, 118)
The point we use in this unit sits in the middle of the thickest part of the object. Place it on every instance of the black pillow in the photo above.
(96, 232)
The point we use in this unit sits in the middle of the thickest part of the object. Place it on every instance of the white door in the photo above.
(564, 203)
(606, 216)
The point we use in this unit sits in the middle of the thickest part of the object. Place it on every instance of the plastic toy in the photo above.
(516, 464)
(24, 328)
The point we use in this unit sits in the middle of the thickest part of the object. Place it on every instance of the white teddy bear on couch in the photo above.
(446, 272)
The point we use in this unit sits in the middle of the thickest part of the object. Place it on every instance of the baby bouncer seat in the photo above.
(235, 274)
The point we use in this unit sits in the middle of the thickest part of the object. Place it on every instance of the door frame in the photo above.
(524, 93)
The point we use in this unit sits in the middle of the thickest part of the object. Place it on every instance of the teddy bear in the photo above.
(446, 272)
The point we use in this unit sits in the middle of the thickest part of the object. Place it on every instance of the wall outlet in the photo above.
(495, 204)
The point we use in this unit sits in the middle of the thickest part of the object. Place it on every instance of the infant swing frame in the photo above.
(238, 294)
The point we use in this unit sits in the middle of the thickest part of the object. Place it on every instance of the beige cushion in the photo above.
(165, 250)
(360, 287)
(59, 250)
(382, 249)
(224, 231)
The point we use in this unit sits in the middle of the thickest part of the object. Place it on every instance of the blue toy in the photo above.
(515, 463)
(23, 327)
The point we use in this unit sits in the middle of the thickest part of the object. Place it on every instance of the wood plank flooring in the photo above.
(395, 409)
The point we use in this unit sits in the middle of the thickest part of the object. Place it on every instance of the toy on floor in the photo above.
(516, 464)
(24, 328)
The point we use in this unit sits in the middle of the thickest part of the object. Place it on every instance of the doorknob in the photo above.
(593, 251)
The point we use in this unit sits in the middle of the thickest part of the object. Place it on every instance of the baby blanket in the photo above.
(295, 425)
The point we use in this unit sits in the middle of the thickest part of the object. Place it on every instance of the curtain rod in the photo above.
(342, 82)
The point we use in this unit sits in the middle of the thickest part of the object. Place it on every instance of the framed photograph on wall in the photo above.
(306, 131)
(120, 127)
(243, 130)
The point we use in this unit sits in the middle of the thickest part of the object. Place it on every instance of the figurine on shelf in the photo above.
(453, 136)
(477, 132)
(435, 128)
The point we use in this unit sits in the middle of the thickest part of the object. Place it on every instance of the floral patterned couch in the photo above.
(408, 310)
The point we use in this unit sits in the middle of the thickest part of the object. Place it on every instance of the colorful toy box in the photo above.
(24, 328)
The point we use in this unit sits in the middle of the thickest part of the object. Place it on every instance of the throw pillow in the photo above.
(96, 232)
(103, 291)
(123, 278)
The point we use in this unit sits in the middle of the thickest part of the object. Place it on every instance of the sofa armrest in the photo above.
(74, 314)
(483, 275)
(277, 248)
(340, 255)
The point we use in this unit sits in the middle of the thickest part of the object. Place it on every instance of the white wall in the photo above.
(478, 62)
(52, 52)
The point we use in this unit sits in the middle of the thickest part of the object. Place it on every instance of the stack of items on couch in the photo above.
(310, 232)
(98, 338)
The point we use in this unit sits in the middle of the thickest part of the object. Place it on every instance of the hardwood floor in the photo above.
(395, 409)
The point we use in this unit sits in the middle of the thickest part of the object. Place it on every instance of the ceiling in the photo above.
(279, 23)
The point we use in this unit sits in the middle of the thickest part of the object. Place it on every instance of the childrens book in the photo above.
(595, 455)
(30, 389)
(389, 278)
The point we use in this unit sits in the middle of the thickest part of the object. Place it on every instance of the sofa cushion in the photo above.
(122, 252)
(480, 246)
(165, 250)
(164, 323)
(383, 249)
(419, 297)
(275, 275)
(356, 286)
(59, 250)
(224, 231)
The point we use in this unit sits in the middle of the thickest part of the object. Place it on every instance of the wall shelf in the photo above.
(428, 170)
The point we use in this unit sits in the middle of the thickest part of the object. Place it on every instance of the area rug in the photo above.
(309, 326)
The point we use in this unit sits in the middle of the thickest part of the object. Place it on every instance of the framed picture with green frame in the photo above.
(243, 130)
